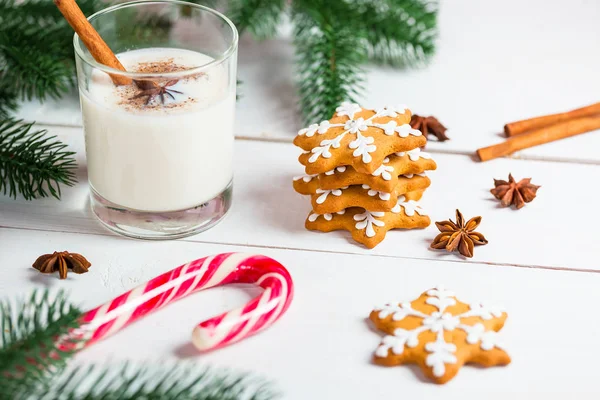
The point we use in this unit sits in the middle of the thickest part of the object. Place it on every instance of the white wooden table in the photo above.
(497, 62)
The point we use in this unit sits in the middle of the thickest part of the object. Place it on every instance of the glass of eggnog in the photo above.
(159, 137)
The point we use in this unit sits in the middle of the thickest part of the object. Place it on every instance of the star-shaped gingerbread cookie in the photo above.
(440, 334)
(331, 201)
(309, 185)
(370, 227)
(359, 137)
(384, 178)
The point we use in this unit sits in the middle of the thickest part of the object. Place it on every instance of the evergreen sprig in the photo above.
(335, 39)
(169, 382)
(36, 51)
(260, 17)
(29, 331)
(31, 367)
(347, 33)
(401, 33)
(329, 55)
(8, 101)
(32, 162)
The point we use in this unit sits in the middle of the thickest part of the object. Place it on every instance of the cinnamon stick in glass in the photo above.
(92, 40)
(539, 136)
(518, 127)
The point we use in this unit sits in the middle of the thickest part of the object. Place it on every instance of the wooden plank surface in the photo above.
(322, 347)
(496, 62)
(556, 230)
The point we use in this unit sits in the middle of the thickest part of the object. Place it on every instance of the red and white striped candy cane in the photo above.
(201, 274)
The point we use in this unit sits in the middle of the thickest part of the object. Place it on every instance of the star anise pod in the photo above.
(152, 89)
(429, 125)
(459, 236)
(513, 192)
(62, 262)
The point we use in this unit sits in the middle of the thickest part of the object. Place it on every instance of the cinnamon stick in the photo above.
(518, 127)
(92, 40)
(539, 136)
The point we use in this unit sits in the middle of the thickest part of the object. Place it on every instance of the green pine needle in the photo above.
(259, 17)
(36, 50)
(401, 33)
(42, 12)
(30, 71)
(29, 331)
(330, 50)
(33, 163)
(27, 372)
(134, 382)
(8, 101)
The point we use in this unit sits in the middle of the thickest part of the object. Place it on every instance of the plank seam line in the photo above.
(458, 261)
(433, 151)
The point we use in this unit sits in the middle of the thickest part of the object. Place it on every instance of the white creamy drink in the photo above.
(147, 155)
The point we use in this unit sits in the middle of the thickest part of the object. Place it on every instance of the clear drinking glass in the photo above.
(160, 148)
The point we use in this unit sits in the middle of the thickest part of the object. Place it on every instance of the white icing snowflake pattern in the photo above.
(385, 171)
(392, 111)
(348, 109)
(305, 178)
(415, 154)
(440, 351)
(327, 216)
(314, 128)
(366, 221)
(340, 169)
(362, 145)
(410, 207)
(406, 129)
(325, 193)
(324, 149)
(382, 195)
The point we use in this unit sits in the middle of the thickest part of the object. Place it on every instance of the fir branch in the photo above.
(40, 12)
(28, 355)
(329, 52)
(132, 382)
(259, 17)
(400, 33)
(32, 65)
(32, 161)
(31, 367)
(36, 50)
(8, 101)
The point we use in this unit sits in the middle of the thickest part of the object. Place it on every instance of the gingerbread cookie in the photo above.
(440, 334)
(308, 184)
(384, 178)
(370, 227)
(331, 201)
(358, 137)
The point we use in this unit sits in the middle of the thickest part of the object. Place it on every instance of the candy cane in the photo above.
(221, 269)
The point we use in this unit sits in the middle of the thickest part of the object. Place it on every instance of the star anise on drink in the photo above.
(459, 236)
(429, 125)
(62, 262)
(513, 192)
(151, 90)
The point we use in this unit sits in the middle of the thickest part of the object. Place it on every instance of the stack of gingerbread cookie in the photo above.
(365, 172)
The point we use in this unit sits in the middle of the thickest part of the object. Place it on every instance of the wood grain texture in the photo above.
(325, 338)
(556, 230)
